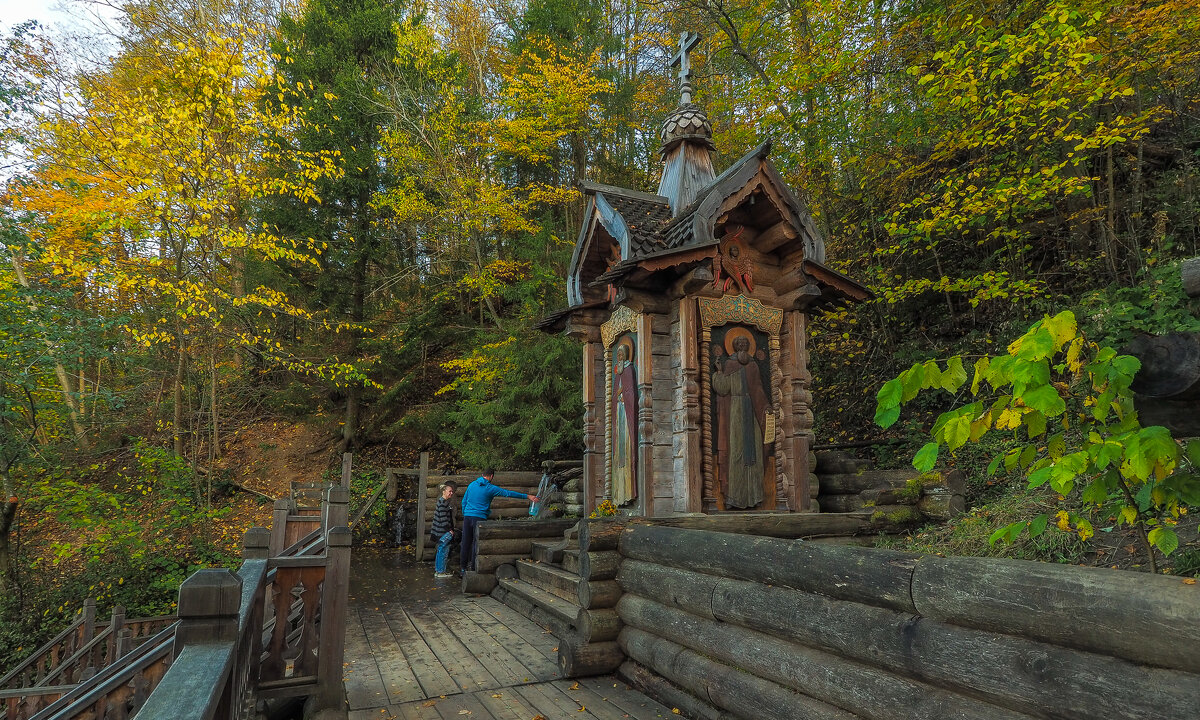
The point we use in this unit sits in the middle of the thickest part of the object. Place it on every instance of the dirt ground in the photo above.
(267, 457)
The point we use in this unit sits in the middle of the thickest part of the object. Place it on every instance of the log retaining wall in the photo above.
(741, 626)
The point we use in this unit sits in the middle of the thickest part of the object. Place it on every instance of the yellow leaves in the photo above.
(1010, 419)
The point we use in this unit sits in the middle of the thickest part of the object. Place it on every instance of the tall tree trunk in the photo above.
(8, 516)
(177, 420)
(60, 372)
(358, 299)
(216, 426)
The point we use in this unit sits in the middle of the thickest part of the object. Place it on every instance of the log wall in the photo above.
(845, 486)
(744, 626)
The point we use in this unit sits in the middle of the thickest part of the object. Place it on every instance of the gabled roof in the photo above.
(632, 219)
(650, 239)
(693, 228)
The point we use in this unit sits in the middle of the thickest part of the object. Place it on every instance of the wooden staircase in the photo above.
(558, 590)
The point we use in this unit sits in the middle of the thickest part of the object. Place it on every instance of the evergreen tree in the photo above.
(336, 52)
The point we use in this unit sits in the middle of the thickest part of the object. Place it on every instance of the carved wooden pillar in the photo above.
(801, 410)
(593, 433)
(645, 376)
(689, 489)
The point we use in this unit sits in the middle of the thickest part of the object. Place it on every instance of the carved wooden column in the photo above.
(645, 378)
(593, 433)
(689, 485)
(801, 410)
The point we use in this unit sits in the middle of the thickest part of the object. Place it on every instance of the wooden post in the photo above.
(335, 594)
(419, 537)
(336, 510)
(89, 621)
(115, 625)
(256, 544)
(279, 518)
(390, 494)
(593, 439)
(689, 485)
(645, 377)
(347, 467)
(124, 644)
(209, 601)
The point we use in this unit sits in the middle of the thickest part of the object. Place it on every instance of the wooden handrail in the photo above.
(28, 672)
(210, 661)
(115, 678)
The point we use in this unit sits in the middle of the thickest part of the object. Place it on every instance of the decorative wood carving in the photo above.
(645, 378)
(732, 264)
(624, 319)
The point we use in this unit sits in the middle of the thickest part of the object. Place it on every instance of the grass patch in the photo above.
(968, 534)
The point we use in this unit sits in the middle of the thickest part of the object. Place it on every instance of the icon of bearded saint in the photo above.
(741, 420)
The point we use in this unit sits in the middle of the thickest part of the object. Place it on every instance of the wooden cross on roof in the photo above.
(687, 41)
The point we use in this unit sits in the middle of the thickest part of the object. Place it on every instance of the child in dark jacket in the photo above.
(441, 531)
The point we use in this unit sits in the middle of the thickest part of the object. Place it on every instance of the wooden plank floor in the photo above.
(473, 658)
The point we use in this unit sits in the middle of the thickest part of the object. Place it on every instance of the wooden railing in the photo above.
(47, 658)
(273, 629)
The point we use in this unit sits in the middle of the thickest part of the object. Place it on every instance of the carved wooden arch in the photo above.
(719, 311)
(624, 319)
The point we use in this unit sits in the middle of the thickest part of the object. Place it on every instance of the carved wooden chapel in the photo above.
(693, 306)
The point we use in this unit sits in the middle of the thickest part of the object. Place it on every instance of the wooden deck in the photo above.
(472, 658)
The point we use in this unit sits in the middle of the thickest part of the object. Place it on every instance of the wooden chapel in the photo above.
(693, 305)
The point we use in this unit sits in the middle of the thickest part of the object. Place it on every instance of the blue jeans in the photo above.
(443, 553)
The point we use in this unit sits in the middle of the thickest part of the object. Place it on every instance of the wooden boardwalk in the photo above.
(475, 658)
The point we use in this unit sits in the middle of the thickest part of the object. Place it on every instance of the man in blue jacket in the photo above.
(476, 504)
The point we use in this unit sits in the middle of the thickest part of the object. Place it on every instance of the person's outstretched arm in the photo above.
(501, 492)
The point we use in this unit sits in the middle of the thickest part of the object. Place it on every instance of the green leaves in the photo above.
(1164, 539)
(908, 384)
(1131, 472)
(887, 402)
(926, 457)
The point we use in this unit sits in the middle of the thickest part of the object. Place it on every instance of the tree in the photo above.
(333, 56)
(142, 197)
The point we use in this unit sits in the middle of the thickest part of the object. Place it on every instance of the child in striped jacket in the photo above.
(441, 531)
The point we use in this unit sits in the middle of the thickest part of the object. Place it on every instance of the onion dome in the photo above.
(687, 122)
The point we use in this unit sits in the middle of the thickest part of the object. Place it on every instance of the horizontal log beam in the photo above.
(598, 594)
(880, 577)
(1021, 674)
(489, 529)
(505, 546)
(599, 565)
(668, 693)
(600, 534)
(586, 660)
(865, 690)
(597, 625)
(1145, 618)
(743, 694)
(478, 583)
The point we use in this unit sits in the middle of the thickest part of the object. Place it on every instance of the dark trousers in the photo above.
(466, 554)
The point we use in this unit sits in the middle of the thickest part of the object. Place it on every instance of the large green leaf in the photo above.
(1046, 400)
(955, 375)
(1164, 538)
(926, 457)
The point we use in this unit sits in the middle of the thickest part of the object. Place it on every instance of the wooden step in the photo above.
(539, 605)
(549, 578)
(570, 560)
(548, 551)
